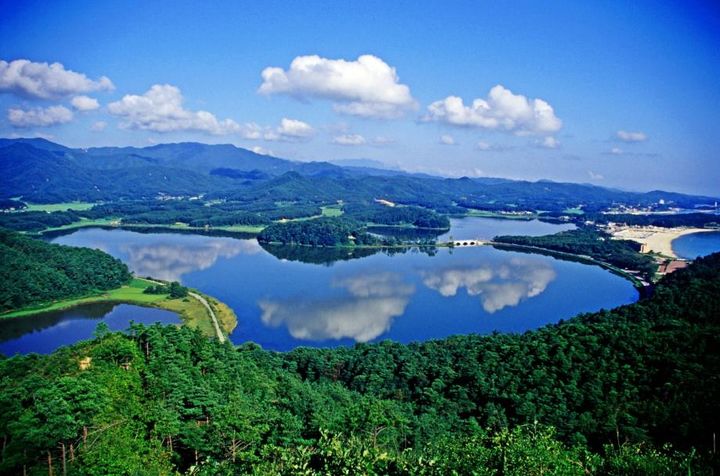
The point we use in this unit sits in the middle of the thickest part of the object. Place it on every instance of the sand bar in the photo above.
(655, 239)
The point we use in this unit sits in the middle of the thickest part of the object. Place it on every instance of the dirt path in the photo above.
(216, 324)
(220, 335)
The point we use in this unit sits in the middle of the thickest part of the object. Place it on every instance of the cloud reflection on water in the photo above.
(367, 311)
(498, 287)
(170, 261)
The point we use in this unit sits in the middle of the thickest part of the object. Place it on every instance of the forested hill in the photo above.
(603, 393)
(40, 171)
(35, 272)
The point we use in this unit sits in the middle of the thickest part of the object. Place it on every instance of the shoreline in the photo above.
(198, 316)
(656, 239)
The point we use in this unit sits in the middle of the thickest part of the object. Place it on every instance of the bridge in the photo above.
(465, 243)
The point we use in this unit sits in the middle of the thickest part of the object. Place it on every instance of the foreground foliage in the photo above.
(604, 393)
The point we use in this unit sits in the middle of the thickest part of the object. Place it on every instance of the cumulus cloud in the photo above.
(366, 87)
(295, 128)
(85, 103)
(288, 130)
(497, 288)
(372, 302)
(45, 117)
(501, 110)
(349, 139)
(615, 151)
(261, 150)
(629, 136)
(549, 142)
(98, 126)
(161, 109)
(595, 176)
(487, 147)
(447, 139)
(46, 81)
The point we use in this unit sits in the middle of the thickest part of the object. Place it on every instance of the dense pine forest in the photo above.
(628, 391)
(35, 272)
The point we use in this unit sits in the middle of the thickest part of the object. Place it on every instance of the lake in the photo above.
(697, 244)
(286, 297)
(43, 333)
(477, 228)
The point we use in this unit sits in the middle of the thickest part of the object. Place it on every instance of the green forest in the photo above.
(629, 391)
(319, 232)
(36, 272)
(596, 244)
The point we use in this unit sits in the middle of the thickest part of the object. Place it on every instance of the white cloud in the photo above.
(288, 130)
(160, 109)
(45, 81)
(366, 87)
(85, 103)
(261, 150)
(629, 136)
(615, 151)
(501, 110)
(45, 117)
(447, 139)
(594, 176)
(99, 126)
(383, 141)
(349, 139)
(486, 147)
(549, 142)
(295, 128)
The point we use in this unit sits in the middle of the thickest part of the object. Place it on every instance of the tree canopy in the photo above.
(627, 391)
(35, 272)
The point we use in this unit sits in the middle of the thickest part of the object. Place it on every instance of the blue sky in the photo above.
(611, 93)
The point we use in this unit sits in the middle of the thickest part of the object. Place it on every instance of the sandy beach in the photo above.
(656, 239)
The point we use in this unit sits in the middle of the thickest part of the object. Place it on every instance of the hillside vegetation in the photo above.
(35, 272)
(603, 393)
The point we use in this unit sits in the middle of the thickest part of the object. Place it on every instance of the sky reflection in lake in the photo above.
(287, 302)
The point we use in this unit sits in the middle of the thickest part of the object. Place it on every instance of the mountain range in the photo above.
(42, 171)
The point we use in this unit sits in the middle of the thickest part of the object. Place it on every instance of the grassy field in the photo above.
(506, 216)
(84, 223)
(241, 228)
(191, 311)
(331, 210)
(57, 207)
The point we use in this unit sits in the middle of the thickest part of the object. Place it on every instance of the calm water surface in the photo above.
(469, 228)
(697, 244)
(318, 297)
(43, 333)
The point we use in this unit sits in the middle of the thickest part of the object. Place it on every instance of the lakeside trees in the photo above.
(35, 272)
(318, 232)
(599, 394)
(621, 253)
